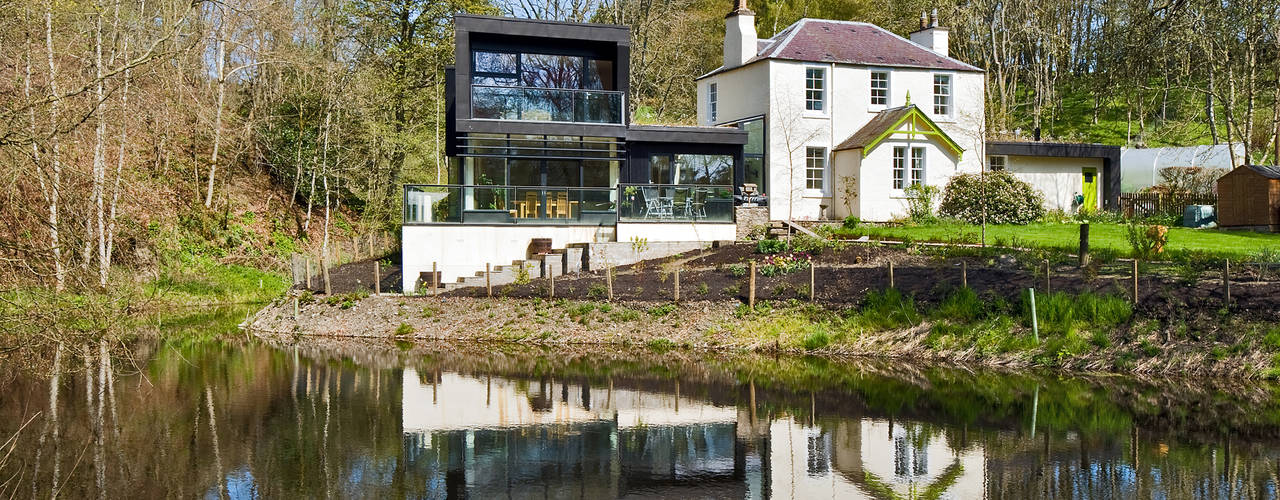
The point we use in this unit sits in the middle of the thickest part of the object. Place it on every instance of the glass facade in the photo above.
(544, 87)
(754, 166)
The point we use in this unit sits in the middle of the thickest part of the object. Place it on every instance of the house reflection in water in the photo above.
(491, 437)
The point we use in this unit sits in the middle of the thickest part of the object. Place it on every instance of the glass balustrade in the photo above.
(475, 204)
(547, 105)
(675, 203)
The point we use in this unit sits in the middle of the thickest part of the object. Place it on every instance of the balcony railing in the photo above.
(542, 205)
(472, 204)
(546, 105)
(675, 203)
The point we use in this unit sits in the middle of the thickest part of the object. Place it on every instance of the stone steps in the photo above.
(557, 263)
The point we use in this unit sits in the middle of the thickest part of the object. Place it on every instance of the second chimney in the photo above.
(932, 36)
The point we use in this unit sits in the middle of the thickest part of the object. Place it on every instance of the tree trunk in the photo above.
(55, 184)
(217, 114)
(99, 154)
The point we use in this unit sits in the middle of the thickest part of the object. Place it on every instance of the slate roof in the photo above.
(874, 128)
(848, 42)
(1268, 171)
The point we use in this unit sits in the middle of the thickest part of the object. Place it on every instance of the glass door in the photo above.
(527, 201)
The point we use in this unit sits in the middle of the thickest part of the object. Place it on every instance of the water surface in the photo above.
(246, 418)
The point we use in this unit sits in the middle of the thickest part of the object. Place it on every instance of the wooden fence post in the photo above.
(295, 307)
(1135, 281)
(608, 280)
(1226, 281)
(813, 284)
(551, 278)
(676, 295)
(377, 278)
(964, 273)
(751, 287)
(308, 272)
(890, 274)
(435, 281)
(1084, 244)
(488, 280)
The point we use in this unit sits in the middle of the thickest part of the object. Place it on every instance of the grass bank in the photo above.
(1079, 332)
(1103, 236)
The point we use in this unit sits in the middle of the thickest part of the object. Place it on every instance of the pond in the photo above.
(246, 418)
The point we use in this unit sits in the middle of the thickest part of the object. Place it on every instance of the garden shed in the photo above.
(1249, 198)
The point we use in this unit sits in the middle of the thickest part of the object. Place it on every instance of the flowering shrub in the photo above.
(783, 263)
(1008, 199)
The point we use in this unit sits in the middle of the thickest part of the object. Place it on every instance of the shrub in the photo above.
(851, 222)
(920, 201)
(597, 291)
(404, 329)
(662, 310)
(1008, 200)
(810, 245)
(770, 246)
(1146, 241)
(738, 270)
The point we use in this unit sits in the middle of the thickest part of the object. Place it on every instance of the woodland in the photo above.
(143, 140)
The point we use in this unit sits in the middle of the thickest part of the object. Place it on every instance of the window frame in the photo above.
(899, 168)
(918, 175)
(821, 91)
(871, 88)
(713, 96)
(950, 95)
(1004, 163)
(821, 180)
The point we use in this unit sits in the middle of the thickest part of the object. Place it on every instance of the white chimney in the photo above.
(930, 35)
(739, 35)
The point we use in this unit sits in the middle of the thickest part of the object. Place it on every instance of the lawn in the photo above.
(1235, 244)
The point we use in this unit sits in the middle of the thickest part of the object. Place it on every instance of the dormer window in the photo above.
(815, 89)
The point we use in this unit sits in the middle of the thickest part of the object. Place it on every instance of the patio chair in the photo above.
(654, 204)
(698, 209)
(681, 203)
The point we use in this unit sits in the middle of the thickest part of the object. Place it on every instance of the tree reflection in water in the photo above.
(241, 419)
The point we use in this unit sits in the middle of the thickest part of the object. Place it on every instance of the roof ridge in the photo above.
(793, 28)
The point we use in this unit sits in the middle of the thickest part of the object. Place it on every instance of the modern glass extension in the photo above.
(544, 87)
(537, 179)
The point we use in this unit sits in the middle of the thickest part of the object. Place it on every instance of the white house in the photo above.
(843, 116)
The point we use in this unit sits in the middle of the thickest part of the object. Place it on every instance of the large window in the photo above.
(942, 95)
(714, 170)
(544, 87)
(815, 168)
(880, 88)
(712, 97)
(548, 71)
(899, 167)
(754, 171)
(815, 85)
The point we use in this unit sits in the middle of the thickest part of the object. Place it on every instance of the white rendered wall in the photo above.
(877, 200)
(1059, 179)
(792, 129)
(463, 250)
(740, 94)
(687, 231)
